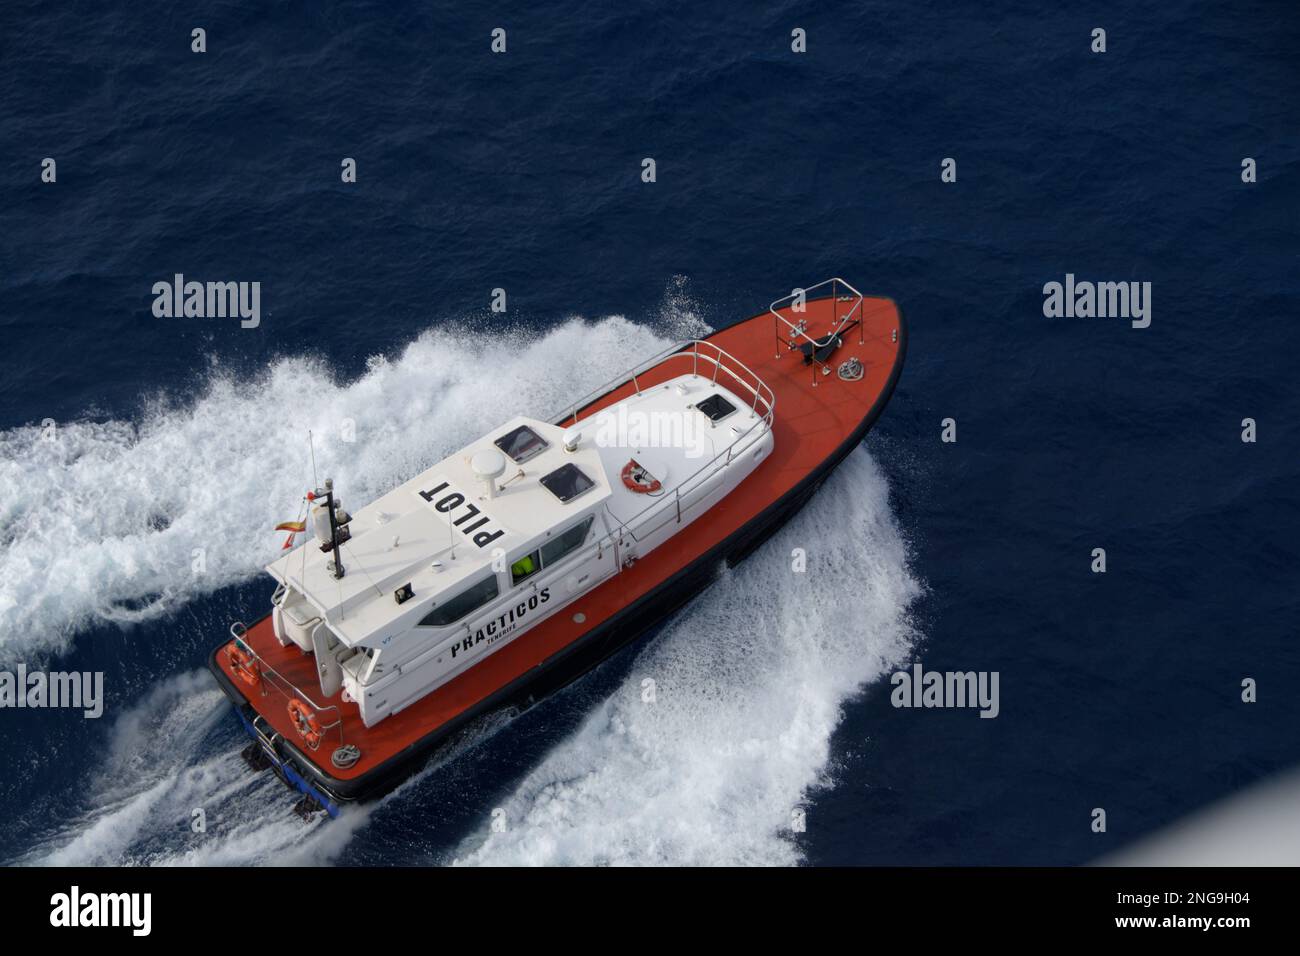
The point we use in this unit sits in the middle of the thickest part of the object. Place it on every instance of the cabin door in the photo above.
(324, 645)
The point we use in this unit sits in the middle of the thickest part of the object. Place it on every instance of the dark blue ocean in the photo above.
(143, 460)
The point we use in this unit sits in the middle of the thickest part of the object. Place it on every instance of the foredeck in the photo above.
(815, 415)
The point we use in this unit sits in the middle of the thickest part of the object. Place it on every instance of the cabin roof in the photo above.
(443, 514)
(440, 515)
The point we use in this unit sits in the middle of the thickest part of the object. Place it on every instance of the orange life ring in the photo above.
(304, 721)
(244, 665)
(633, 485)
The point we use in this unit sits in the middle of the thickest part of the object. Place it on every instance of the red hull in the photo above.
(812, 425)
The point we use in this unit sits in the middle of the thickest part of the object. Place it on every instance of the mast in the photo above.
(336, 539)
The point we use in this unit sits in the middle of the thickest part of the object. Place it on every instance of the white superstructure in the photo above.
(466, 556)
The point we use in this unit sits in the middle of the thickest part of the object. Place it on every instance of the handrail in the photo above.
(237, 630)
(800, 330)
(688, 350)
(631, 525)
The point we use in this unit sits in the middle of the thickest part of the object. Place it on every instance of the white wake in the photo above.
(101, 522)
(124, 521)
(157, 799)
(749, 684)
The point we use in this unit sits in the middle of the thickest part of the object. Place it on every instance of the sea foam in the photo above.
(749, 684)
(126, 521)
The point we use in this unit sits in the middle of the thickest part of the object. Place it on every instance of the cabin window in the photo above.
(471, 599)
(550, 553)
(567, 482)
(525, 567)
(521, 444)
(557, 548)
(716, 407)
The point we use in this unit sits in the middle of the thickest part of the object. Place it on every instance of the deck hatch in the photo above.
(715, 407)
(567, 482)
(521, 444)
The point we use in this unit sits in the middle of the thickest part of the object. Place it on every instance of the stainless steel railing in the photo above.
(686, 352)
(797, 334)
(716, 361)
(238, 630)
(696, 355)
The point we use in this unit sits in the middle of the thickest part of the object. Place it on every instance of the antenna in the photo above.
(312, 445)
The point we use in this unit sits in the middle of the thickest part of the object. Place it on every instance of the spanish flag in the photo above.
(294, 528)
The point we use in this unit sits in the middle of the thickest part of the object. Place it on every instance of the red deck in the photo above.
(810, 424)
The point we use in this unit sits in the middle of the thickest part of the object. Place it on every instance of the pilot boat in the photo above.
(516, 564)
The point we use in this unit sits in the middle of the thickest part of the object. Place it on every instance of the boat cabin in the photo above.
(421, 584)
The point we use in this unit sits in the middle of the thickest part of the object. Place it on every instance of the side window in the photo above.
(525, 567)
(560, 546)
(454, 608)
